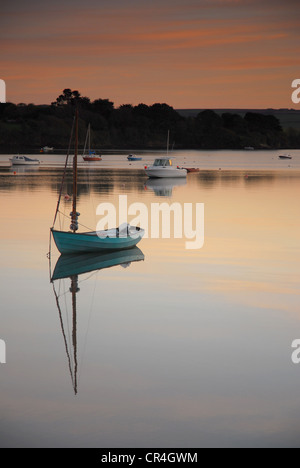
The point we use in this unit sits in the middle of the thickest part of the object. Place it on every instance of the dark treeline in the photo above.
(27, 127)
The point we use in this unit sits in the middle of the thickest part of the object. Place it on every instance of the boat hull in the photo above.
(165, 172)
(70, 243)
(91, 158)
(24, 162)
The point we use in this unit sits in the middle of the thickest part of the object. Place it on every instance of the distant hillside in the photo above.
(289, 118)
(30, 127)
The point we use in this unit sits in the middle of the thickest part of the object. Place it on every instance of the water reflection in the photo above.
(164, 187)
(24, 169)
(156, 326)
(209, 179)
(72, 266)
(106, 181)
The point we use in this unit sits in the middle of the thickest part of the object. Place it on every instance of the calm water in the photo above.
(180, 349)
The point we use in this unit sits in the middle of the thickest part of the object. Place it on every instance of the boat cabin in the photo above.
(19, 158)
(163, 162)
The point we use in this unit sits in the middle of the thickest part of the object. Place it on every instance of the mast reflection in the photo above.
(72, 266)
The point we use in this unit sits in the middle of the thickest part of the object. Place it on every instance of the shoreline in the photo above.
(219, 160)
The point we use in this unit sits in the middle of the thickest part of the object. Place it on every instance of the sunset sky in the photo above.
(187, 53)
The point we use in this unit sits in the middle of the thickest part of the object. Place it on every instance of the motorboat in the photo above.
(23, 161)
(47, 149)
(285, 156)
(132, 157)
(163, 167)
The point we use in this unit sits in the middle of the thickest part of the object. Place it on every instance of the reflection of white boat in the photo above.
(24, 169)
(163, 168)
(23, 161)
(164, 187)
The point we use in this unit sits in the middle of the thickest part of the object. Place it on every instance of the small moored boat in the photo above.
(47, 149)
(285, 156)
(91, 154)
(132, 157)
(71, 242)
(124, 237)
(23, 161)
(163, 167)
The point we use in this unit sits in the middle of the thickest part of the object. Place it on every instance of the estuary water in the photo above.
(161, 346)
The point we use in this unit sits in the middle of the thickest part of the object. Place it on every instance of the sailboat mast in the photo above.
(168, 142)
(74, 214)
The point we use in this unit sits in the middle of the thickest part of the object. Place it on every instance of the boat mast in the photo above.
(168, 142)
(74, 215)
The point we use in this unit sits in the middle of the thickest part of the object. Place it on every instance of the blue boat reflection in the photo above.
(72, 266)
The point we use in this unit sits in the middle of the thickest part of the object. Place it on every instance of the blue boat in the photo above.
(132, 157)
(71, 242)
(124, 237)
